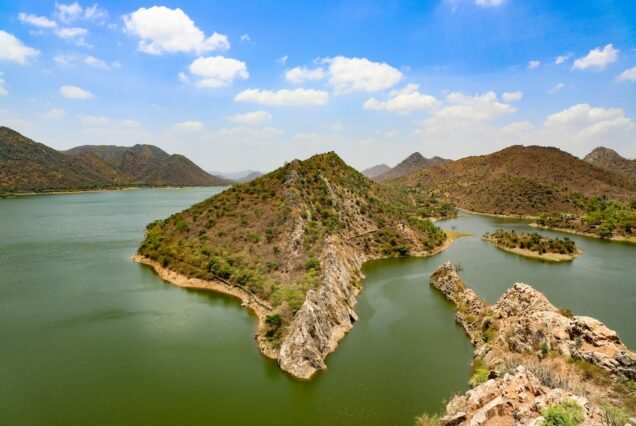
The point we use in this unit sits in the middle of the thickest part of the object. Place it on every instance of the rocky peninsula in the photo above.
(533, 361)
(290, 245)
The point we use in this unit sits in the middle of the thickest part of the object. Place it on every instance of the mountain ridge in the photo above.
(410, 164)
(609, 159)
(30, 166)
(520, 180)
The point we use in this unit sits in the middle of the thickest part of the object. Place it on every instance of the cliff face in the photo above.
(327, 313)
(526, 345)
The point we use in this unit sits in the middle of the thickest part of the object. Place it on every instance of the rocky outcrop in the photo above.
(524, 321)
(517, 398)
(327, 313)
(523, 328)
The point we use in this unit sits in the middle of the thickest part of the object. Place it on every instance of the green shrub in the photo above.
(312, 263)
(568, 413)
(614, 416)
(479, 376)
(182, 226)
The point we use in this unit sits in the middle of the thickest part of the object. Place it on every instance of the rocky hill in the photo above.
(150, 165)
(521, 180)
(291, 244)
(374, 171)
(609, 159)
(410, 164)
(29, 166)
(534, 362)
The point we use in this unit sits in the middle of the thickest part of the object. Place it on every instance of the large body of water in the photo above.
(87, 336)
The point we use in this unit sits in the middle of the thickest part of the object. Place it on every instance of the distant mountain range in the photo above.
(374, 171)
(410, 164)
(29, 166)
(240, 177)
(520, 180)
(610, 160)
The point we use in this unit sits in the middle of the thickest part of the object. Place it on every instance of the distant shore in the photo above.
(550, 257)
(89, 191)
(502, 216)
(585, 234)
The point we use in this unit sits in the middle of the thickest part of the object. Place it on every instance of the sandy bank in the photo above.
(259, 308)
(550, 257)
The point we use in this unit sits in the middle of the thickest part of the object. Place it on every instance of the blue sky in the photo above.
(251, 84)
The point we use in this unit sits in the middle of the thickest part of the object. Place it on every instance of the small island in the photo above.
(534, 245)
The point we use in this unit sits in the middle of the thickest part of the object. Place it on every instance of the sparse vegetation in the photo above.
(603, 217)
(268, 236)
(568, 413)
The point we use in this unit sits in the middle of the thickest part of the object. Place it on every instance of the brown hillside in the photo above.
(520, 180)
(609, 159)
(410, 164)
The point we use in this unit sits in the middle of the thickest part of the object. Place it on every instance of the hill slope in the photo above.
(374, 171)
(150, 165)
(609, 159)
(293, 242)
(520, 180)
(27, 166)
(410, 164)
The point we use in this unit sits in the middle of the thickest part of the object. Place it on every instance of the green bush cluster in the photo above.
(567, 413)
(532, 241)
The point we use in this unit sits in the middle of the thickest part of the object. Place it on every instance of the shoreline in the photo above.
(256, 306)
(501, 216)
(92, 191)
(548, 257)
(631, 240)
(248, 301)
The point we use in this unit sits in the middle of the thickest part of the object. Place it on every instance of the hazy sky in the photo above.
(250, 84)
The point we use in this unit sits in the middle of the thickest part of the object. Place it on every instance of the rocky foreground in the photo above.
(533, 360)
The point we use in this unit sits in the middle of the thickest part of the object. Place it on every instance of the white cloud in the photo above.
(183, 78)
(562, 59)
(164, 30)
(597, 58)
(282, 60)
(217, 71)
(359, 74)
(94, 62)
(589, 126)
(74, 92)
(404, 101)
(299, 75)
(518, 127)
(512, 96)
(556, 88)
(36, 21)
(246, 37)
(94, 120)
(534, 64)
(284, 97)
(3, 87)
(473, 108)
(489, 3)
(12, 49)
(627, 75)
(73, 11)
(251, 118)
(68, 12)
(188, 127)
(75, 34)
(55, 113)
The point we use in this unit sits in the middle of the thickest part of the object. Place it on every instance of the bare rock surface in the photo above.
(523, 328)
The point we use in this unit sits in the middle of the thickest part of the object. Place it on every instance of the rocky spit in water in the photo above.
(533, 355)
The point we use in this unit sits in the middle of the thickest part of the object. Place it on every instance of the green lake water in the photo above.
(88, 337)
